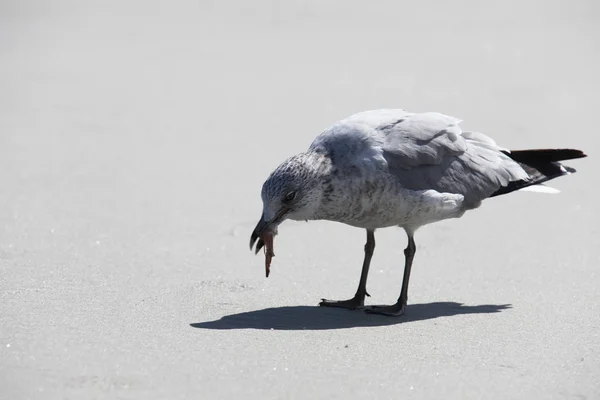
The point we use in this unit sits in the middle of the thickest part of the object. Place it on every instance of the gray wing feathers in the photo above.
(422, 139)
(423, 151)
(430, 151)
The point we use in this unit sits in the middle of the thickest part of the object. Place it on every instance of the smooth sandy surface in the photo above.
(134, 140)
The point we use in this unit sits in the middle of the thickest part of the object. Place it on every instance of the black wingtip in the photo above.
(571, 154)
(541, 165)
(545, 155)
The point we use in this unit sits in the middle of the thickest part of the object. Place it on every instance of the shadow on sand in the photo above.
(320, 318)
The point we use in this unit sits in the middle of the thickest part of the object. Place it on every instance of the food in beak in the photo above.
(263, 238)
(269, 254)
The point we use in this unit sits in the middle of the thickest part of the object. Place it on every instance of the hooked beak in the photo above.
(265, 227)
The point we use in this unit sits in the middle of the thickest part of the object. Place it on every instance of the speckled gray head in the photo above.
(293, 191)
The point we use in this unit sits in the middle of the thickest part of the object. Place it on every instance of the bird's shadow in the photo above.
(323, 318)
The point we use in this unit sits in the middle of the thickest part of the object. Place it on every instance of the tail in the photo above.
(541, 166)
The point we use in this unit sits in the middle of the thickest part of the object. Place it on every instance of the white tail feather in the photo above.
(540, 189)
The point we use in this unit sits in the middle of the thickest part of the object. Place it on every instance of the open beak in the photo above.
(258, 233)
(263, 229)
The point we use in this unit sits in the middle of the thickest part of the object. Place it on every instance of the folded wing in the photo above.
(430, 151)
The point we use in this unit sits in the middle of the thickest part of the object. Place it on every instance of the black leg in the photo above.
(409, 255)
(358, 300)
(398, 308)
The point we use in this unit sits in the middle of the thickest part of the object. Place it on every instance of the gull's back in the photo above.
(422, 151)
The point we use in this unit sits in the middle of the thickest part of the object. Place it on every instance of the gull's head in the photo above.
(293, 191)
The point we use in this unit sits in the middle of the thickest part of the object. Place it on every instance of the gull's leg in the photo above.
(398, 308)
(358, 300)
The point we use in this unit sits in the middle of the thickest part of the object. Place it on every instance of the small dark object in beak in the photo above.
(268, 240)
(263, 237)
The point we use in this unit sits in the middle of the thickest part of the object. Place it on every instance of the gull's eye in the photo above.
(289, 197)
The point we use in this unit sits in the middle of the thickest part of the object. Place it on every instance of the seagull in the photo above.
(390, 167)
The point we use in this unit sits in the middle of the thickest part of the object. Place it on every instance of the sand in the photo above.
(135, 137)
